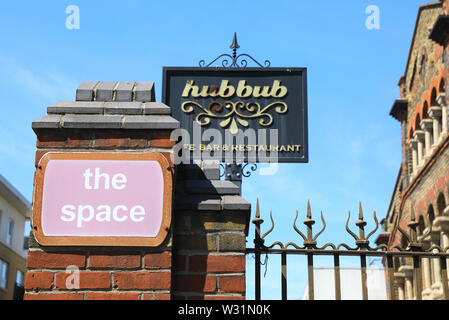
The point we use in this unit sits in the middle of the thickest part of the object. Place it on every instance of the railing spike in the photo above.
(309, 210)
(360, 211)
(296, 228)
(272, 226)
(347, 227)
(257, 209)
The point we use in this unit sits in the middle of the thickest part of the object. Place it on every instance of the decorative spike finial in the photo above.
(309, 210)
(257, 209)
(361, 223)
(360, 211)
(235, 44)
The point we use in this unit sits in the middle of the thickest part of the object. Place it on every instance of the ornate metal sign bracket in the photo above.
(235, 172)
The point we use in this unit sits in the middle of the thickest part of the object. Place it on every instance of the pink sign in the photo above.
(102, 198)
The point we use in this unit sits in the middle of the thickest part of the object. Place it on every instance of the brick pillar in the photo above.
(133, 124)
(203, 256)
(211, 225)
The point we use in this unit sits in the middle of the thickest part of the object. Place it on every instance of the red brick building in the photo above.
(422, 186)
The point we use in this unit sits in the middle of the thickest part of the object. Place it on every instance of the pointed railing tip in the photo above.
(234, 44)
(257, 209)
(360, 211)
(309, 210)
(309, 221)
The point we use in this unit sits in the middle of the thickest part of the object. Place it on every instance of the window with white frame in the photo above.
(3, 274)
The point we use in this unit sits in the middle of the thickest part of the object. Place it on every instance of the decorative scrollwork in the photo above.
(234, 60)
(247, 173)
(361, 241)
(238, 113)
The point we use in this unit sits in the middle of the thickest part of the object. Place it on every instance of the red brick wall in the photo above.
(104, 276)
(209, 258)
(210, 277)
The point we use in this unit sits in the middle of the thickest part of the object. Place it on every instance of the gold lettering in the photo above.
(278, 91)
(257, 93)
(226, 90)
(243, 91)
(190, 87)
(204, 92)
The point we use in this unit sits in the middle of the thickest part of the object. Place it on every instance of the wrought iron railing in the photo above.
(392, 256)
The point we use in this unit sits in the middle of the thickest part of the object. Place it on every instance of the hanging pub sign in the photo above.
(102, 199)
(240, 114)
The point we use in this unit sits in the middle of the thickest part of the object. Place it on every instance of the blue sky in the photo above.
(353, 72)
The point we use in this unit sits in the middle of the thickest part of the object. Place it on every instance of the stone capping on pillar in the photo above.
(412, 143)
(125, 91)
(442, 222)
(426, 124)
(419, 135)
(110, 105)
(434, 112)
(441, 99)
(107, 115)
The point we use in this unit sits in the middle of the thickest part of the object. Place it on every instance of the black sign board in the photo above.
(268, 104)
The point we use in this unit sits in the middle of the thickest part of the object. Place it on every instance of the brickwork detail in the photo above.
(102, 276)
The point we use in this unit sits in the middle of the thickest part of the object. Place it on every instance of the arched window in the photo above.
(441, 204)
(418, 122)
(404, 242)
(425, 115)
(421, 225)
(433, 98)
(442, 86)
(431, 214)
(425, 110)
